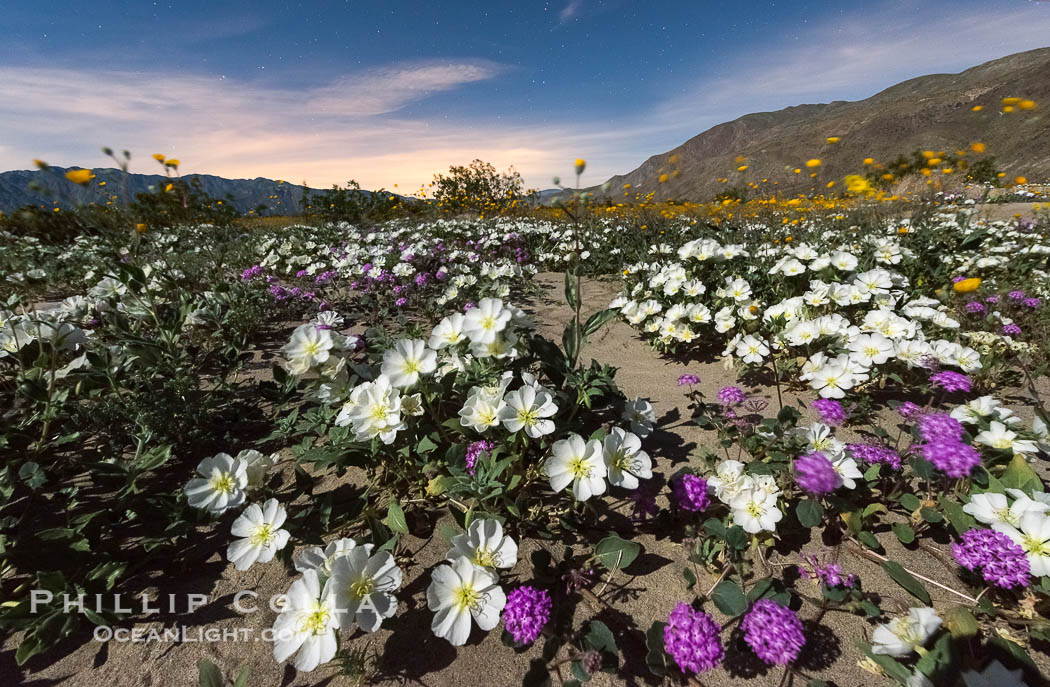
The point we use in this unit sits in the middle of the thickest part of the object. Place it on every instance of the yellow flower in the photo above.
(797, 170)
(1020, 180)
(80, 176)
(869, 160)
(813, 163)
(1011, 101)
(581, 164)
(168, 188)
(158, 157)
(741, 168)
(663, 178)
(977, 108)
(40, 163)
(833, 139)
(1026, 104)
(967, 285)
(978, 147)
(140, 228)
(855, 183)
(171, 163)
(1008, 108)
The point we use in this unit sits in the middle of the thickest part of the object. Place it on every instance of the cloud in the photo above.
(570, 11)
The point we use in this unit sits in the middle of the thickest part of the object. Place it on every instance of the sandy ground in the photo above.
(407, 650)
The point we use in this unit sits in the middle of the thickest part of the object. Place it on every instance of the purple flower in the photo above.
(908, 410)
(831, 411)
(815, 474)
(688, 379)
(773, 632)
(830, 574)
(1016, 295)
(940, 426)
(474, 450)
(401, 302)
(691, 638)
(958, 278)
(975, 307)
(991, 299)
(690, 493)
(1033, 302)
(952, 381)
(875, 453)
(1011, 329)
(731, 395)
(527, 611)
(469, 305)
(251, 272)
(952, 457)
(1004, 563)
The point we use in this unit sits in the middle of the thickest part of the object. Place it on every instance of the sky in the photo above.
(391, 93)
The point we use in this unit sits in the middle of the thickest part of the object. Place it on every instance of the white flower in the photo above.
(448, 332)
(901, 636)
(1033, 537)
(991, 508)
(316, 558)
(361, 587)
(831, 380)
(751, 350)
(577, 462)
(221, 484)
(257, 465)
(818, 437)
(406, 361)
(374, 409)
(307, 624)
(260, 532)
(483, 322)
(460, 591)
(624, 459)
(482, 408)
(871, 349)
(755, 510)
(639, 412)
(308, 347)
(485, 545)
(728, 481)
(528, 409)
(999, 437)
(847, 470)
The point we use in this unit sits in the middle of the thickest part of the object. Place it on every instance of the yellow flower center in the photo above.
(528, 416)
(466, 598)
(315, 622)
(223, 483)
(488, 322)
(361, 588)
(579, 468)
(485, 558)
(1035, 547)
(311, 348)
(263, 535)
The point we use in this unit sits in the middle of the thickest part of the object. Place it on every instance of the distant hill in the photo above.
(243, 194)
(932, 112)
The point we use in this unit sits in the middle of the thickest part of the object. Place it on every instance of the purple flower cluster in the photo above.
(731, 395)
(951, 456)
(815, 474)
(1003, 562)
(1016, 295)
(527, 611)
(952, 381)
(940, 427)
(688, 379)
(975, 308)
(691, 638)
(1011, 330)
(875, 453)
(251, 273)
(908, 410)
(831, 411)
(1033, 302)
(474, 450)
(830, 574)
(690, 493)
(773, 632)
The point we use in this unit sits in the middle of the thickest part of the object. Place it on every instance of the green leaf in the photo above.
(960, 622)
(904, 532)
(656, 658)
(690, 578)
(1019, 475)
(893, 668)
(907, 580)
(869, 540)
(572, 295)
(600, 638)
(598, 320)
(759, 589)
(395, 518)
(960, 519)
(242, 677)
(910, 502)
(425, 446)
(614, 552)
(729, 598)
(809, 512)
(931, 515)
(570, 339)
(208, 674)
(32, 474)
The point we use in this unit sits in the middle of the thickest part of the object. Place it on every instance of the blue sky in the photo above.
(389, 93)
